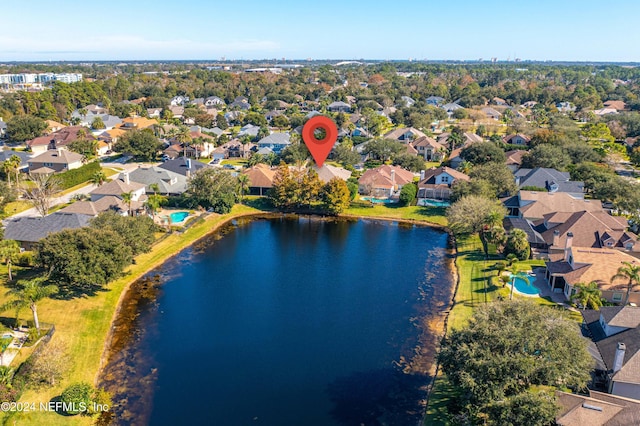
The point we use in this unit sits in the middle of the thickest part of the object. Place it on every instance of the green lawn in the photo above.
(83, 323)
(235, 161)
(15, 207)
(433, 215)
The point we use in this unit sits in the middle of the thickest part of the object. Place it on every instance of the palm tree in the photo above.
(9, 250)
(6, 375)
(184, 137)
(630, 271)
(465, 167)
(515, 274)
(155, 200)
(243, 185)
(98, 178)
(588, 295)
(11, 166)
(455, 139)
(27, 294)
(127, 197)
(154, 187)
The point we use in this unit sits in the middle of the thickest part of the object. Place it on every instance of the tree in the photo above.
(243, 185)
(98, 178)
(77, 396)
(83, 260)
(136, 231)
(221, 122)
(516, 275)
(27, 294)
(479, 187)
(280, 121)
(142, 144)
(518, 244)
(336, 196)
(11, 167)
(97, 123)
(24, 127)
(85, 146)
(346, 156)
(546, 155)
(294, 154)
(127, 197)
(213, 188)
(48, 363)
(9, 251)
(383, 149)
(41, 192)
(498, 175)
(507, 349)
(408, 193)
(409, 162)
(631, 272)
(483, 152)
(475, 215)
(7, 194)
(588, 295)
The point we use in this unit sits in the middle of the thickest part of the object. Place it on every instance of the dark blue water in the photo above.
(290, 322)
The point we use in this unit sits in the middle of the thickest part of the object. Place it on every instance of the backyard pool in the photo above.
(434, 203)
(529, 289)
(379, 200)
(178, 217)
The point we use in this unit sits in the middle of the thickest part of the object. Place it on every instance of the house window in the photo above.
(609, 244)
(445, 179)
(617, 297)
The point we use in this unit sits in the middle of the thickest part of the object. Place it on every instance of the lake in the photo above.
(284, 321)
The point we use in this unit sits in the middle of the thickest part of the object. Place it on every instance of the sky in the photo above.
(559, 30)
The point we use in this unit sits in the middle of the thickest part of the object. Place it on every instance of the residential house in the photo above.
(260, 179)
(534, 205)
(54, 126)
(179, 100)
(232, 117)
(577, 265)
(94, 208)
(339, 106)
(168, 182)
(407, 101)
(429, 149)
(514, 159)
(137, 123)
(384, 181)
(434, 101)
(596, 409)
(272, 114)
(54, 161)
(436, 183)
(605, 111)
(109, 121)
(154, 112)
(122, 185)
(213, 101)
(617, 105)
(24, 158)
(328, 172)
(550, 180)
(451, 107)
(404, 134)
(176, 111)
(615, 335)
(529, 104)
(236, 149)
(3, 128)
(249, 130)
(183, 166)
(491, 113)
(111, 136)
(240, 103)
(499, 101)
(469, 138)
(27, 231)
(565, 107)
(60, 139)
(275, 141)
(517, 139)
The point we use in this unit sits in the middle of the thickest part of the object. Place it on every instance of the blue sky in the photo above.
(573, 30)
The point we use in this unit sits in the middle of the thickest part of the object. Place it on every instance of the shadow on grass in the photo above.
(489, 289)
(67, 292)
(383, 396)
(260, 203)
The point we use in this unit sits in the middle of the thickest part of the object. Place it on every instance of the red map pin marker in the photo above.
(320, 148)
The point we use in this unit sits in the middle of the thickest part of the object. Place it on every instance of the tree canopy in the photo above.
(213, 188)
(142, 144)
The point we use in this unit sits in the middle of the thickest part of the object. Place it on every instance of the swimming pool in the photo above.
(525, 288)
(177, 217)
(434, 203)
(379, 200)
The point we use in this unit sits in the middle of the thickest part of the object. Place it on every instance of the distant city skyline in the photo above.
(204, 30)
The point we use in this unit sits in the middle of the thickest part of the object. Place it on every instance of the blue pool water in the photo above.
(177, 217)
(379, 200)
(436, 203)
(525, 288)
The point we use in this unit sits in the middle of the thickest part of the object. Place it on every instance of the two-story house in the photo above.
(435, 184)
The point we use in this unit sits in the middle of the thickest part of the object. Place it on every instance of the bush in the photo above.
(77, 176)
(408, 194)
(77, 398)
(25, 258)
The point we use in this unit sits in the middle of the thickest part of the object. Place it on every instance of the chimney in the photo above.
(422, 175)
(567, 246)
(393, 176)
(556, 238)
(517, 180)
(125, 178)
(59, 151)
(619, 358)
(188, 163)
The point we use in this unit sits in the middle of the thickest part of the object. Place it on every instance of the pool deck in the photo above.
(545, 291)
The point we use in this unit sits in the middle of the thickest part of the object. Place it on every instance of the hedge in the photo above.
(77, 176)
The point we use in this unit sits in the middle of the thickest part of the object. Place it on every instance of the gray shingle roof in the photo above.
(179, 165)
(542, 178)
(275, 138)
(169, 182)
(33, 229)
(24, 156)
